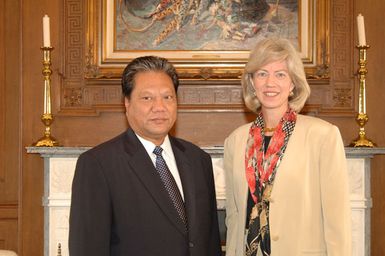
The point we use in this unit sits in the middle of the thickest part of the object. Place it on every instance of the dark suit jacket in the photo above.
(120, 207)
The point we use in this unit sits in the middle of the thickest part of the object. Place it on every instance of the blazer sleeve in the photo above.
(335, 195)
(90, 214)
(231, 209)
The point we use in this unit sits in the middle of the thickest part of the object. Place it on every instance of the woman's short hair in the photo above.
(267, 51)
(146, 64)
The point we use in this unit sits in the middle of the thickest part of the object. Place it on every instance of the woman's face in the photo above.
(272, 86)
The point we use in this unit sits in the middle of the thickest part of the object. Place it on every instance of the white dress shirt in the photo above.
(168, 156)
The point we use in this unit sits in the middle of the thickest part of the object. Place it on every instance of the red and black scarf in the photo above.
(261, 168)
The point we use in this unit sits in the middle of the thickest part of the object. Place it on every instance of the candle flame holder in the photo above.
(362, 118)
(47, 118)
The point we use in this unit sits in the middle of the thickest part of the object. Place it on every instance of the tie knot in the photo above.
(158, 151)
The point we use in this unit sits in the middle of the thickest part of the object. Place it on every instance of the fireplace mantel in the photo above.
(59, 167)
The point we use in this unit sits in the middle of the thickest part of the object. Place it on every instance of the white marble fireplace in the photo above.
(59, 166)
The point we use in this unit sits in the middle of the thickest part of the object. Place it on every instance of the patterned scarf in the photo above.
(261, 168)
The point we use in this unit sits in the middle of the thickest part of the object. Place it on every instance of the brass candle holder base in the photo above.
(47, 140)
(361, 140)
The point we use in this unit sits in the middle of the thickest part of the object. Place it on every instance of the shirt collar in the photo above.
(149, 146)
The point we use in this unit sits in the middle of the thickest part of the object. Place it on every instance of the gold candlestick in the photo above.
(47, 118)
(362, 117)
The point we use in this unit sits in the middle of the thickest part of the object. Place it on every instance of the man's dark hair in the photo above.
(145, 64)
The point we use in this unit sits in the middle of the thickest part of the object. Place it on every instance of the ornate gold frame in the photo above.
(105, 62)
(90, 85)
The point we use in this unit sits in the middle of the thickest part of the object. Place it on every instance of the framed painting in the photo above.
(209, 44)
(208, 39)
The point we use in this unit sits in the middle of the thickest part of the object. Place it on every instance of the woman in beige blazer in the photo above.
(286, 176)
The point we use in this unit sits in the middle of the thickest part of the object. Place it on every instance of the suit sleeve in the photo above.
(231, 209)
(215, 244)
(335, 195)
(90, 214)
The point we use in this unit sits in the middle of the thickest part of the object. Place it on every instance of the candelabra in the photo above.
(362, 117)
(47, 118)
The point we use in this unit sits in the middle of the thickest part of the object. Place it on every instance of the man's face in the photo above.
(152, 107)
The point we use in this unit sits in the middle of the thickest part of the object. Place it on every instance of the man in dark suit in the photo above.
(145, 193)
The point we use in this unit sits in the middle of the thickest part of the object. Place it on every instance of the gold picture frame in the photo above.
(106, 60)
(90, 82)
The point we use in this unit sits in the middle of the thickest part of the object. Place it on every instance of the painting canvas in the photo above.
(202, 25)
(201, 31)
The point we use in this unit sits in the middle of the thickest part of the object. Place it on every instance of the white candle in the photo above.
(361, 30)
(46, 32)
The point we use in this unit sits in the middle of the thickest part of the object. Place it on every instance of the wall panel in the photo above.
(10, 146)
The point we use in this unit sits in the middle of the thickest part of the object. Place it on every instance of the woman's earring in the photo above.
(291, 94)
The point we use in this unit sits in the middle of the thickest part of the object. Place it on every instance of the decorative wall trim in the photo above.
(342, 74)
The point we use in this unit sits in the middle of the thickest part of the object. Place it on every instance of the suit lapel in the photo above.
(186, 173)
(144, 169)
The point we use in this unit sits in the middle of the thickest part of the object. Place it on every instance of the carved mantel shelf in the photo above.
(217, 151)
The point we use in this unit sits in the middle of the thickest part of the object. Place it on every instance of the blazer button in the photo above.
(274, 237)
(191, 244)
